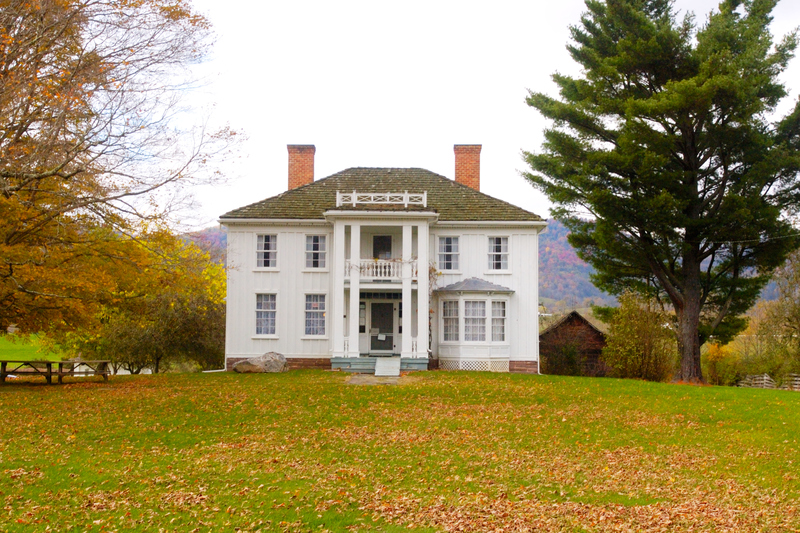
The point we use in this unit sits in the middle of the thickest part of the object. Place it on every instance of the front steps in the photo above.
(366, 364)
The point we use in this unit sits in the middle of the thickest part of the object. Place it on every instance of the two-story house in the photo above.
(384, 264)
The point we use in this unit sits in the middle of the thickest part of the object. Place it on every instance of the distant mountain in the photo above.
(563, 276)
(214, 240)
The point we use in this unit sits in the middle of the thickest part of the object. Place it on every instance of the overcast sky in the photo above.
(392, 84)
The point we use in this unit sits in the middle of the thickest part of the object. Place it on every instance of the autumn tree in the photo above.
(665, 162)
(640, 343)
(91, 139)
(172, 311)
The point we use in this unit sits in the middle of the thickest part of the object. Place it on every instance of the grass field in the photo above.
(442, 451)
(25, 350)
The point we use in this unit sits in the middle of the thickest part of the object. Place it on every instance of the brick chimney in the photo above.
(301, 164)
(468, 165)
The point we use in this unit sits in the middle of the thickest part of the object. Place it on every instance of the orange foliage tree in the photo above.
(171, 311)
(89, 145)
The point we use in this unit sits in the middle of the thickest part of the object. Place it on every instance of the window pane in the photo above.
(265, 314)
(498, 321)
(450, 320)
(448, 253)
(315, 314)
(475, 321)
(315, 251)
(498, 253)
(266, 251)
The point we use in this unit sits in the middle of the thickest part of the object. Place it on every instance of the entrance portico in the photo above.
(381, 287)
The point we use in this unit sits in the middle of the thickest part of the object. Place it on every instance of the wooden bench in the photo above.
(48, 369)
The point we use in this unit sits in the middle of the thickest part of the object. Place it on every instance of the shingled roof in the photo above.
(474, 285)
(451, 200)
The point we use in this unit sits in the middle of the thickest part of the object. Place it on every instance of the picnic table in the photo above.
(48, 369)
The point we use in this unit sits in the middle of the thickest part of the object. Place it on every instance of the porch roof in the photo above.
(474, 285)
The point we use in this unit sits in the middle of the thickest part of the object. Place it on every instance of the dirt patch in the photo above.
(371, 379)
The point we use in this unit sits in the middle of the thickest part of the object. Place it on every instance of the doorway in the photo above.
(381, 333)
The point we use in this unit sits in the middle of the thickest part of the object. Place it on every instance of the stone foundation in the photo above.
(523, 367)
(294, 363)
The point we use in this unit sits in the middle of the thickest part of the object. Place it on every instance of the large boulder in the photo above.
(269, 362)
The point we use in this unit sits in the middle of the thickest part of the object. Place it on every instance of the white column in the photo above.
(422, 289)
(355, 290)
(408, 311)
(338, 259)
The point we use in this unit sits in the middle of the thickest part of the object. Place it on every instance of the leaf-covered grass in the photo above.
(442, 451)
(25, 349)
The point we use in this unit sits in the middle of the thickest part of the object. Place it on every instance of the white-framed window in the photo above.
(450, 320)
(448, 253)
(315, 314)
(475, 320)
(498, 321)
(266, 308)
(498, 253)
(316, 251)
(267, 251)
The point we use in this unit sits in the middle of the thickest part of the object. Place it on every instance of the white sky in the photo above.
(392, 84)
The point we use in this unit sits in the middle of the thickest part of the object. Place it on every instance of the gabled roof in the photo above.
(452, 201)
(474, 285)
(574, 315)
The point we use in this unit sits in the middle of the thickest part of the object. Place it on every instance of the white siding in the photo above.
(290, 281)
(522, 322)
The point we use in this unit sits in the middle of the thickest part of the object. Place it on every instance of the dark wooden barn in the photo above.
(572, 346)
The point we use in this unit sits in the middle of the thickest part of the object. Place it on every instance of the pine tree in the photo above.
(665, 160)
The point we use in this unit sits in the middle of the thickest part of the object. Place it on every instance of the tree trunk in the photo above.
(690, 370)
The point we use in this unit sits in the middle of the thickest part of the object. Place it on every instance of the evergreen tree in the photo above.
(665, 162)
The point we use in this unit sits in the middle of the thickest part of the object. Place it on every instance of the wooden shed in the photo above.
(572, 346)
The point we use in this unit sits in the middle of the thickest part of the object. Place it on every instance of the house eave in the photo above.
(541, 225)
(272, 222)
(430, 216)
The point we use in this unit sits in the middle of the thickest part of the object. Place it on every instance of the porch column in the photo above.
(355, 289)
(339, 259)
(422, 289)
(408, 312)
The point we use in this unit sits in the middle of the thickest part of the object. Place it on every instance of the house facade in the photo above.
(383, 264)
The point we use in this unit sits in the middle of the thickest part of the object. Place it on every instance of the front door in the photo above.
(381, 333)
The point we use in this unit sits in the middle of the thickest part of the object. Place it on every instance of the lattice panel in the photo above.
(448, 364)
(498, 366)
(473, 365)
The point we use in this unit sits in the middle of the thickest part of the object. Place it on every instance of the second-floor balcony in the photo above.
(380, 269)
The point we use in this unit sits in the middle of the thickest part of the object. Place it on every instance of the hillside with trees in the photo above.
(563, 276)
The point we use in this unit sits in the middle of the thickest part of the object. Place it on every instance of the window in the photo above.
(450, 319)
(265, 314)
(448, 253)
(315, 251)
(498, 321)
(267, 251)
(382, 247)
(475, 321)
(498, 253)
(315, 314)
(481, 318)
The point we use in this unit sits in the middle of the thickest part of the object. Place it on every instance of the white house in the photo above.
(394, 265)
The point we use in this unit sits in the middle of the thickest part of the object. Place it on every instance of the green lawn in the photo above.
(25, 350)
(444, 451)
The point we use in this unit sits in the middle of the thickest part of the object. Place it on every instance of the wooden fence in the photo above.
(764, 381)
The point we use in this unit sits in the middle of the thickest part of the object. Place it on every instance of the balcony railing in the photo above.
(380, 268)
(398, 198)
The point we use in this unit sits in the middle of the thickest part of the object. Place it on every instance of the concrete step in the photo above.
(387, 366)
